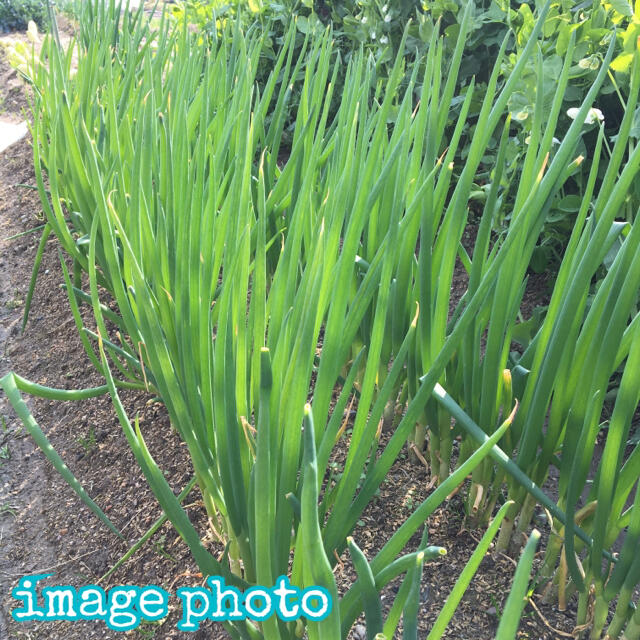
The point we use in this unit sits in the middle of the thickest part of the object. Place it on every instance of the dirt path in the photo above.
(24, 546)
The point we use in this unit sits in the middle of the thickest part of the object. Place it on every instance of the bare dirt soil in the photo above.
(44, 528)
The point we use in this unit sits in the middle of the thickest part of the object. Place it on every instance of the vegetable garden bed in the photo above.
(200, 259)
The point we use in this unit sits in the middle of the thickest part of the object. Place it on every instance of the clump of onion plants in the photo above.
(259, 291)
(562, 375)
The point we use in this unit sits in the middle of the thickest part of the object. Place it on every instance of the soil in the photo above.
(44, 528)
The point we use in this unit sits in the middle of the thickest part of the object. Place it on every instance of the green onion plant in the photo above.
(260, 290)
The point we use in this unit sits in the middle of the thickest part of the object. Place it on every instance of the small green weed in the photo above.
(89, 442)
(160, 548)
(147, 629)
(8, 509)
(16, 301)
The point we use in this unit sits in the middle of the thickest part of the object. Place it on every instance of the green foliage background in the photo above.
(15, 14)
(377, 27)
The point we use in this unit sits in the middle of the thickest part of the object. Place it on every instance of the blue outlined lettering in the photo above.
(223, 603)
(124, 607)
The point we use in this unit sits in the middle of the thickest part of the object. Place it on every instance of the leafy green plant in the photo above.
(15, 14)
(593, 27)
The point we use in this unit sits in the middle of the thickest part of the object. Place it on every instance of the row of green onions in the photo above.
(260, 298)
